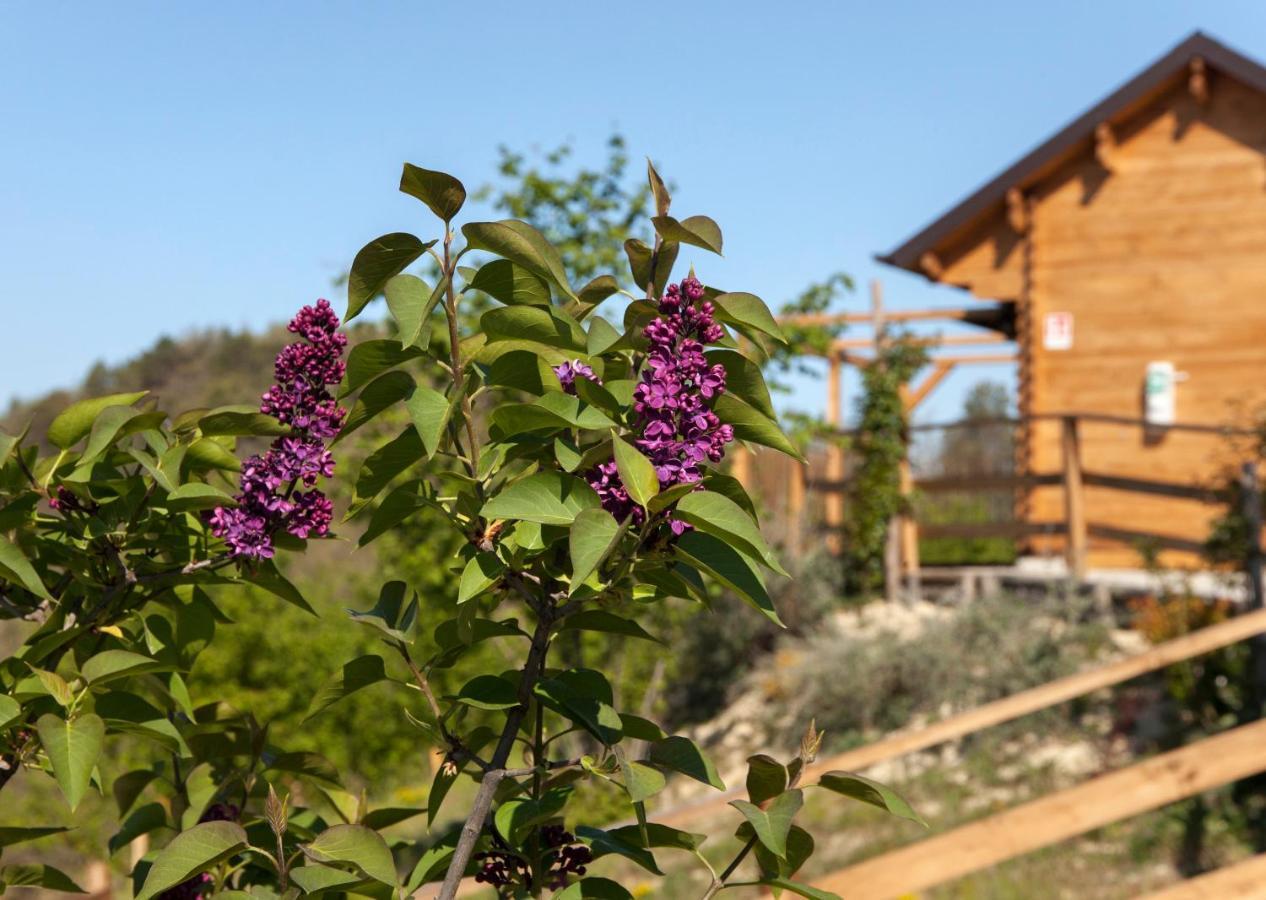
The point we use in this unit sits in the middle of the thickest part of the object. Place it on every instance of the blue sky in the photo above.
(168, 166)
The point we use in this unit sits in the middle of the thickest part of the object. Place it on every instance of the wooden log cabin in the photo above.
(1129, 246)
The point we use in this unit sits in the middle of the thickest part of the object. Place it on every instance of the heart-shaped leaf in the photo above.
(442, 193)
(73, 749)
(191, 853)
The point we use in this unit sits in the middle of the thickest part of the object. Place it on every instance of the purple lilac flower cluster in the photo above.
(507, 871)
(569, 371)
(678, 431)
(270, 496)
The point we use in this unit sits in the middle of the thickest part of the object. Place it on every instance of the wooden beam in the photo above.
(1133, 537)
(952, 483)
(1105, 145)
(1011, 529)
(931, 266)
(1198, 80)
(1153, 783)
(1017, 211)
(1193, 644)
(1074, 499)
(951, 340)
(954, 314)
(1244, 880)
(916, 396)
(834, 501)
(975, 359)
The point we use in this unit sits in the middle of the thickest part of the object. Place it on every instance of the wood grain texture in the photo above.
(1148, 785)
(1242, 881)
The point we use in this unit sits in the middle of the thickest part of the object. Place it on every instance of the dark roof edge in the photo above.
(1215, 54)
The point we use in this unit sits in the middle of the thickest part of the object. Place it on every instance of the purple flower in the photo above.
(268, 499)
(677, 430)
(568, 371)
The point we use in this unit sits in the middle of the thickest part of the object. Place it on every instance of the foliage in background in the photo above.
(880, 445)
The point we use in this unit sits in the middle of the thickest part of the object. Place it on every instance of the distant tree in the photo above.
(984, 445)
(585, 212)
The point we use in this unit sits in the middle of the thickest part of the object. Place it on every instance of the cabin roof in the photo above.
(1076, 136)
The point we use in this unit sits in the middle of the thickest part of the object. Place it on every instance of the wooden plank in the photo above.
(1074, 500)
(954, 483)
(1244, 880)
(1136, 536)
(991, 529)
(1206, 640)
(1149, 486)
(1057, 817)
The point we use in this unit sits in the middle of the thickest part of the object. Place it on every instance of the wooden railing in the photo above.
(1155, 782)
(1074, 527)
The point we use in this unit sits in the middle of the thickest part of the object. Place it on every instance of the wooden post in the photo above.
(795, 510)
(1074, 501)
(741, 465)
(834, 510)
(1251, 498)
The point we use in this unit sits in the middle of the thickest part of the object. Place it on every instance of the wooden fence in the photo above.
(817, 492)
(1155, 782)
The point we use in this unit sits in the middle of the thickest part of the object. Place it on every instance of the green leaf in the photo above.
(594, 535)
(369, 359)
(602, 336)
(511, 284)
(128, 787)
(609, 622)
(207, 453)
(191, 853)
(320, 879)
(393, 614)
(718, 515)
(641, 729)
(412, 301)
(594, 889)
(744, 380)
(143, 820)
(728, 566)
(382, 392)
(598, 290)
(10, 834)
(802, 890)
(385, 463)
(196, 495)
(442, 193)
(683, 755)
(266, 575)
(521, 244)
(864, 789)
(74, 423)
(356, 674)
(773, 824)
(550, 327)
(105, 429)
(754, 426)
(489, 692)
(15, 567)
(554, 411)
(482, 571)
(636, 471)
(241, 422)
(39, 875)
(748, 310)
(699, 231)
(356, 847)
(548, 498)
(585, 697)
(640, 262)
(397, 506)
(641, 782)
(378, 261)
(766, 778)
(605, 843)
(10, 711)
(430, 411)
(55, 686)
(445, 776)
(111, 664)
(73, 749)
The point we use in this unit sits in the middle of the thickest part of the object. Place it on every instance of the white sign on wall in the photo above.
(1057, 331)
